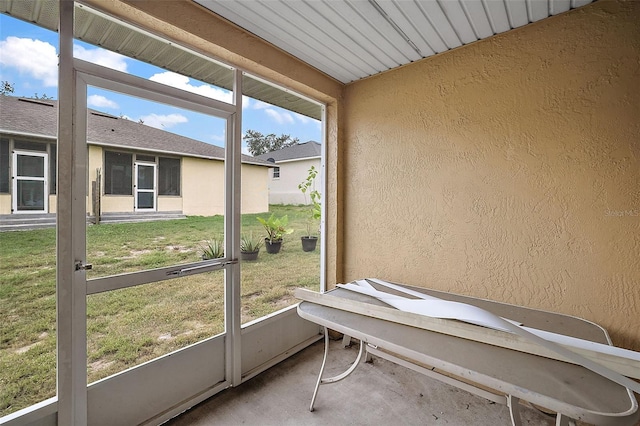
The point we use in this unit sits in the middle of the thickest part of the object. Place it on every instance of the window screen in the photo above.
(53, 166)
(4, 165)
(118, 173)
(168, 176)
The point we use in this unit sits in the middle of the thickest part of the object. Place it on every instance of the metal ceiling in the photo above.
(346, 39)
(102, 30)
(353, 39)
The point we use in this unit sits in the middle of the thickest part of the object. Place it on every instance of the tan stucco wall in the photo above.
(169, 203)
(5, 204)
(202, 187)
(53, 204)
(115, 204)
(284, 190)
(255, 191)
(508, 169)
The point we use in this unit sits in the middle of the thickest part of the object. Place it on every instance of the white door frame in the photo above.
(215, 352)
(16, 179)
(128, 392)
(137, 190)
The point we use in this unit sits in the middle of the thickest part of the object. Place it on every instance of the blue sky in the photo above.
(28, 60)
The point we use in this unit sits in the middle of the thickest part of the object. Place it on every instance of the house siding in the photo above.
(506, 169)
(5, 204)
(284, 190)
(255, 192)
(202, 187)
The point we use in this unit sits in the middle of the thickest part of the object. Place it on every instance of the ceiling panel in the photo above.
(478, 18)
(353, 39)
(537, 9)
(346, 39)
(517, 13)
(559, 6)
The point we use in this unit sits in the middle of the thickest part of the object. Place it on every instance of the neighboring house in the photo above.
(137, 168)
(292, 167)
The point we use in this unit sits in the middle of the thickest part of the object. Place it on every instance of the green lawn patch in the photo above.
(129, 326)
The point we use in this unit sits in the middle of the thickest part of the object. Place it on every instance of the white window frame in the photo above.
(137, 190)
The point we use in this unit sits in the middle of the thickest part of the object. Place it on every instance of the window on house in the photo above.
(4, 165)
(168, 176)
(276, 172)
(118, 173)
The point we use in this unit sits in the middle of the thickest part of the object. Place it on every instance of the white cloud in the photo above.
(245, 151)
(182, 82)
(102, 57)
(218, 138)
(302, 118)
(261, 105)
(163, 121)
(99, 101)
(35, 58)
(280, 117)
(39, 59)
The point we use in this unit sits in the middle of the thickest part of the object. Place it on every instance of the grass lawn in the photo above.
(130, 326)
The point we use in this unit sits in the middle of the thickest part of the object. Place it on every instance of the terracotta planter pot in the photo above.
(309, 243)
(272, 248)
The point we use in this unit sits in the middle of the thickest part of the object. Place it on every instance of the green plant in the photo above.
(212, 249)
(249, 245)
(276, 227)
(314, 196)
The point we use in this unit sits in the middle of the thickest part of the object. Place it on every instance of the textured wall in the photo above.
(507, 169)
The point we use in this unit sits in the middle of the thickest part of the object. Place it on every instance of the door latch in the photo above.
(83, 266)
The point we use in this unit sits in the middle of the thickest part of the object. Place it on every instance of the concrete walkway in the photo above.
(381, 393)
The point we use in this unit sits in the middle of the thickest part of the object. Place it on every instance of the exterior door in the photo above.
(145, 187)
(30, 183)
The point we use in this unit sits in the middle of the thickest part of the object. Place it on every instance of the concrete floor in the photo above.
(381, 393)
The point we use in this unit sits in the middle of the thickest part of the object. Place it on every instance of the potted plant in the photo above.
(249, 248)
(212, 249)
(313, 213)
(276, 228)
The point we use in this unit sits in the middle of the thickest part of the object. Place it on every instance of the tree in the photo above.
(257, 143)
(44, 97)
(6, 88)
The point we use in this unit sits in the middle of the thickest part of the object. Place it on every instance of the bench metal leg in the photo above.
(562, 420)
(514, 410)
(337, 378)
(346, 341)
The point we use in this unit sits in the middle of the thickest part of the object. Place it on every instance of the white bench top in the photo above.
(558, 386)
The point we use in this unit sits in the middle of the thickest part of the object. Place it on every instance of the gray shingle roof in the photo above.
(39, 118)
(300, 151)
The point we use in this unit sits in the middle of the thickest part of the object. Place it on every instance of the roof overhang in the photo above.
(100, 29)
